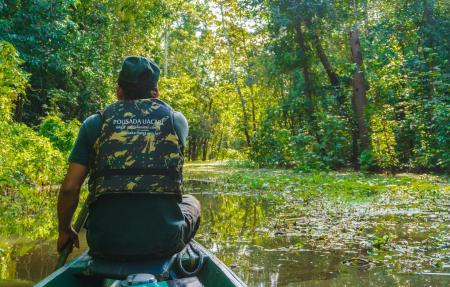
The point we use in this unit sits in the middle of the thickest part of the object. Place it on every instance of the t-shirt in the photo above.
(83, 149)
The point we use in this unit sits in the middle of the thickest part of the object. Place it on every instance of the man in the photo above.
(133, 153)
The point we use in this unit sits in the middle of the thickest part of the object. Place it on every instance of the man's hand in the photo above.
(67, 203)
(67, 237)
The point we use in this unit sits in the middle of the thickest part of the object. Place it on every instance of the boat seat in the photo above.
(161, 268)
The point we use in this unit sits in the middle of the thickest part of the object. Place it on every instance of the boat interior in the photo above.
(87, 271)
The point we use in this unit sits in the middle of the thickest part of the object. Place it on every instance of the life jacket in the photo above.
(138, 150)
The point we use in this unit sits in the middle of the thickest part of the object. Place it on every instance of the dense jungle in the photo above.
(319, 131)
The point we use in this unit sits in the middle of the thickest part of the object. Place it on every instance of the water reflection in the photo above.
(242, 231)
(251, 234)
(32, 261)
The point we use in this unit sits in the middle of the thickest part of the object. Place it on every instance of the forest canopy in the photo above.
(308, 84)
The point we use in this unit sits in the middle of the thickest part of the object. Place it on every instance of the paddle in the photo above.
(81, 219)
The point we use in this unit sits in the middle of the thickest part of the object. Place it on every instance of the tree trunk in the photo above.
(355, 148)
(359, 90)
(204, 149)
(332, 76)
(307, 88)
(428, 42)
(331, 73)
(428, 9)
(253, 109)
(219, 145)
(193, 149)
(166, 50)
(252, 92)
(18, 113)
(189, 150)
(235, 81)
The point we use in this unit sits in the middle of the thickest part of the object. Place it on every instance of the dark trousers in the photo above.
(190, 207)
(133, 226)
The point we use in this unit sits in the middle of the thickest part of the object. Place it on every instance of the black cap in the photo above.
(136, 69)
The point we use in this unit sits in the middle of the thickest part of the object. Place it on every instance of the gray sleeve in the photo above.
(181, 127)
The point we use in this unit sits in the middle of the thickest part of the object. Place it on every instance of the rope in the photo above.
(197, 268)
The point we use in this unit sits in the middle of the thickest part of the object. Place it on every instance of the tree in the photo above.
(359, 86)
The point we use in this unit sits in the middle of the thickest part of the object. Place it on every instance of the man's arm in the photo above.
(181, 127)
(68, 198)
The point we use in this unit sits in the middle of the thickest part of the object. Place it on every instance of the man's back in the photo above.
(138, 150)
(83, 150)
(133, 152)
(131, 225)
(129, 217)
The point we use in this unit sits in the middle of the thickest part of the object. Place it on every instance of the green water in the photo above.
(271, 242)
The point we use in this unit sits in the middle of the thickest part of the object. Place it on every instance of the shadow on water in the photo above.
(262, 240)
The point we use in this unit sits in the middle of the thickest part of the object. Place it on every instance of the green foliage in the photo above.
(406, 72)
(441, 119)
(367, 161)
(378, 242)
(334, 134)
(288, 184)
(13, 81)
(28, 213)
(327, 148)
(296, 115)
(27, 158)
(30, 165)
(305, 152)
(383, 141)
(61, 134)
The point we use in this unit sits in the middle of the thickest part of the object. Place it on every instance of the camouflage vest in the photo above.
(138, 150)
